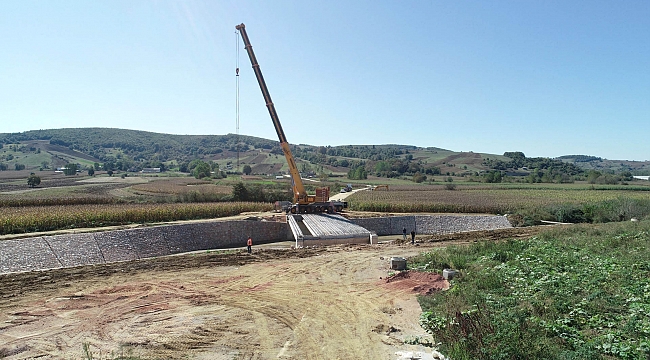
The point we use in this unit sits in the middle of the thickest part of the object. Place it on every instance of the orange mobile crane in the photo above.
(303, 203)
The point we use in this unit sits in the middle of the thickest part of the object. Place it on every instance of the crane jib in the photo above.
(303, 203)
(260, 80)
(299, 189)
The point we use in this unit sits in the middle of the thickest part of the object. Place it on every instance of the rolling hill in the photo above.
(133, 150)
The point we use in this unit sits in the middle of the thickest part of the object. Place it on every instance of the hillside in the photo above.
(131, 150)
(600, 164)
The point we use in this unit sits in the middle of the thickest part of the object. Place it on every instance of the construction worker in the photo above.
(404, 233)
(249, 243)
(412, 237)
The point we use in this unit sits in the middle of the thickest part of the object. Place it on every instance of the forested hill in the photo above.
(132, 149)
(97, 142)
(104, 143)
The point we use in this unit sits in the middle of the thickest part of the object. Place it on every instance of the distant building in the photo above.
(642, 177)
(150, 170)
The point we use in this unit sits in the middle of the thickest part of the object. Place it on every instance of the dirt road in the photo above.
(326, 303)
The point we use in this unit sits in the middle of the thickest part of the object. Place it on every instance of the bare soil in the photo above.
(317, 303)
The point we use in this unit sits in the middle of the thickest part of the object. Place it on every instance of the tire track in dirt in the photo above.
(307, 304)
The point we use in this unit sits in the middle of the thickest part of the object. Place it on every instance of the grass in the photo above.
(581, 292)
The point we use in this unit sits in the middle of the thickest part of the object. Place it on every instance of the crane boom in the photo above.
(303, 202)
(298, 187)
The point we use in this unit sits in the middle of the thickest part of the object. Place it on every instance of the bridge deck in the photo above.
(321, 229)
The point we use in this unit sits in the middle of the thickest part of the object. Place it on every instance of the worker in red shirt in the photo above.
(249, 243)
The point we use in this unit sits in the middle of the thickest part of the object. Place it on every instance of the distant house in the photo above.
(642, 177)
(150, 170)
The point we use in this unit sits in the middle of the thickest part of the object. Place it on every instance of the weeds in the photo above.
(574, 293)
(88, 354)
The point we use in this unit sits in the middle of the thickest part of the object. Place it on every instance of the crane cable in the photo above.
(237, 95)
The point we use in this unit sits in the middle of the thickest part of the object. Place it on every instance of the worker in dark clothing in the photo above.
(404, 233)
(249, 243)
(412, 237)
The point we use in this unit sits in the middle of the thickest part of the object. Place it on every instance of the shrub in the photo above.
(33, 180)
(418, 177)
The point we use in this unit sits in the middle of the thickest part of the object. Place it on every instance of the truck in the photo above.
(303, 203)
(347, 188)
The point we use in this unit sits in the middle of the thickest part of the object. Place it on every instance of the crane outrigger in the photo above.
(303, 203)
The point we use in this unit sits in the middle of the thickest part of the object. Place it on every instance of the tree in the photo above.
(109, 165)
(357, 173)
(239, 192)
(33, 180)
(91, 171)
(247, 169)
(201, 170)
(382, 166)
(19, 167)
(70, 169)
(418, 177)
(627, 176)
(110, 172)
(592, 176)
(3, 167)
(515, 155)
(493, 177)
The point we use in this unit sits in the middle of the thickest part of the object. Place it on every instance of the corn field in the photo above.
(15, 220)
(482, 200)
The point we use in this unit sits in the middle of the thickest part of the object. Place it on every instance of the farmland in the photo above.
(63, 202)
(15, 220)
(628, 202)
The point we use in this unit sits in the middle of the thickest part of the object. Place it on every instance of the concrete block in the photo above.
(449, 274)
(397, 263)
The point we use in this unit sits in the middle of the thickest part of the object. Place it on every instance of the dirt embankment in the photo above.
(322, 303)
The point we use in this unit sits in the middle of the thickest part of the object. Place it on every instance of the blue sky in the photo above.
(548, 78)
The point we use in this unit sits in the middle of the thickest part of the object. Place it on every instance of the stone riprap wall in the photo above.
(57, 251)
(433, 224)
(387, 225)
